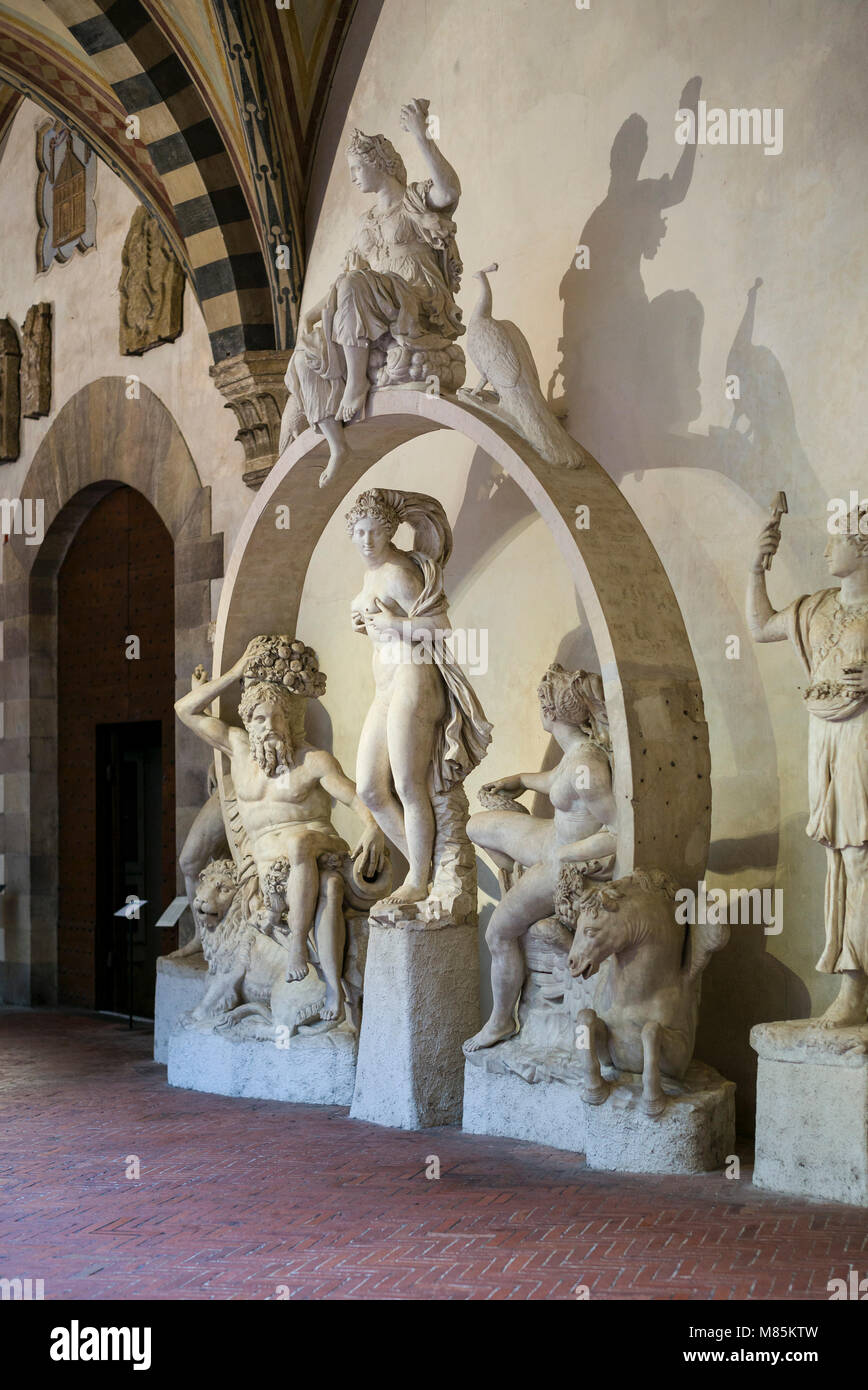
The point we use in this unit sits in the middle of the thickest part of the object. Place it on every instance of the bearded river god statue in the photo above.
(294, 870)
(390, 318)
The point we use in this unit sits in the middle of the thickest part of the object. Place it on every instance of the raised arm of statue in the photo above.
(764, 622)
(190, 708)
(445, 189)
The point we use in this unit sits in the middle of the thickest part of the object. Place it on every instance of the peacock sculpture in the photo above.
(502, 355)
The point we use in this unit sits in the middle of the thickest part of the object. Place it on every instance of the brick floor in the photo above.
(242, 1199)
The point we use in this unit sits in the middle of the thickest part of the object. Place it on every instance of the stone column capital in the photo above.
(252, 385)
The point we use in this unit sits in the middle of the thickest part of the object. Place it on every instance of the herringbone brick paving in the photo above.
(242, 1199)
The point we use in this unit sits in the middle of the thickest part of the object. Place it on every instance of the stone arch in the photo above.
(204, 199)
(659, 733)
(66, 91)
(99, 441)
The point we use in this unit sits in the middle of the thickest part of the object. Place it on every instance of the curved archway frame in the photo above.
(653, 694)
(99, 441)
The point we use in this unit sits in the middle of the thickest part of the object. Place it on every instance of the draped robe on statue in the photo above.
(398, 283)
(463, 737)
(830, 637)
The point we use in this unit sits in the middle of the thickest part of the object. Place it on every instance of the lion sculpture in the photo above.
(246, 967)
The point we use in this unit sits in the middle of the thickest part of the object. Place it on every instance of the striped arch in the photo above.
(62, 88)
(192, 157)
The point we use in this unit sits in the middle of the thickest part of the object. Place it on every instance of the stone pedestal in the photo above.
(421, 1003)
(812, 1110)
(695, 1133)
(180, 986)
(315, 1070)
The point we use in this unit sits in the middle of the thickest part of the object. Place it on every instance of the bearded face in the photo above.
(270, 742)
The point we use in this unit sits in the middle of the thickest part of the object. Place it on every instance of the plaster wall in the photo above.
(529, 98)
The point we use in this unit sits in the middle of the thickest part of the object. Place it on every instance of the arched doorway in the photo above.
(116, 769)
(99, 440)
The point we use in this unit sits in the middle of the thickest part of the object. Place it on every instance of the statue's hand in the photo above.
(253, 649)
(414, 118)
(504, 784)
(382, 617)
(767, 543)
(371, 852)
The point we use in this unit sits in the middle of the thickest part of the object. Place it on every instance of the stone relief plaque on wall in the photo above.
(10, 404)
(36, 362)
(151, 288)
(65, 206)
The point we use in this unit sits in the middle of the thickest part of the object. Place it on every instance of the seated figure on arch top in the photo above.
(390, 317)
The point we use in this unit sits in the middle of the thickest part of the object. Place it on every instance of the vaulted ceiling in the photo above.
(210, 110)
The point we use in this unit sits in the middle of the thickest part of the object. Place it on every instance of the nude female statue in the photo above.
(829, 630)
(572, 709)
(396, 290)
(426, 729)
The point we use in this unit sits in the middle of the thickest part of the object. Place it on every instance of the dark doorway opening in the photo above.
(115, 692)
(128, 864)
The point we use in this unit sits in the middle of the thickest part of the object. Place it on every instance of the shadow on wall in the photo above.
(631, 383)
(630, 365)
(630, 370)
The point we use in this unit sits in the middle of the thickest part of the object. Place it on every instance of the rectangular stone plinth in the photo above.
(180, 986)
(314, 1070)
(421, 1003)
(543, 1113)
(812, 1111)
(695, 1133)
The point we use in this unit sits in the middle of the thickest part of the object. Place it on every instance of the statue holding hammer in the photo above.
(829, 630)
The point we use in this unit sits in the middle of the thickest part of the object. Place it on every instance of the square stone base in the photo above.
(315, 1070)
(812, 1111)
(695, 1133)
(421, 1002)
(180, 986)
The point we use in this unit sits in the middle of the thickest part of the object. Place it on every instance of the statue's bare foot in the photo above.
(296, 967)
(336, 458)
(333, 1008)
(848, 1010)
(489, 1034)
(409, 892)
(842, 1014)
(351, 403)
